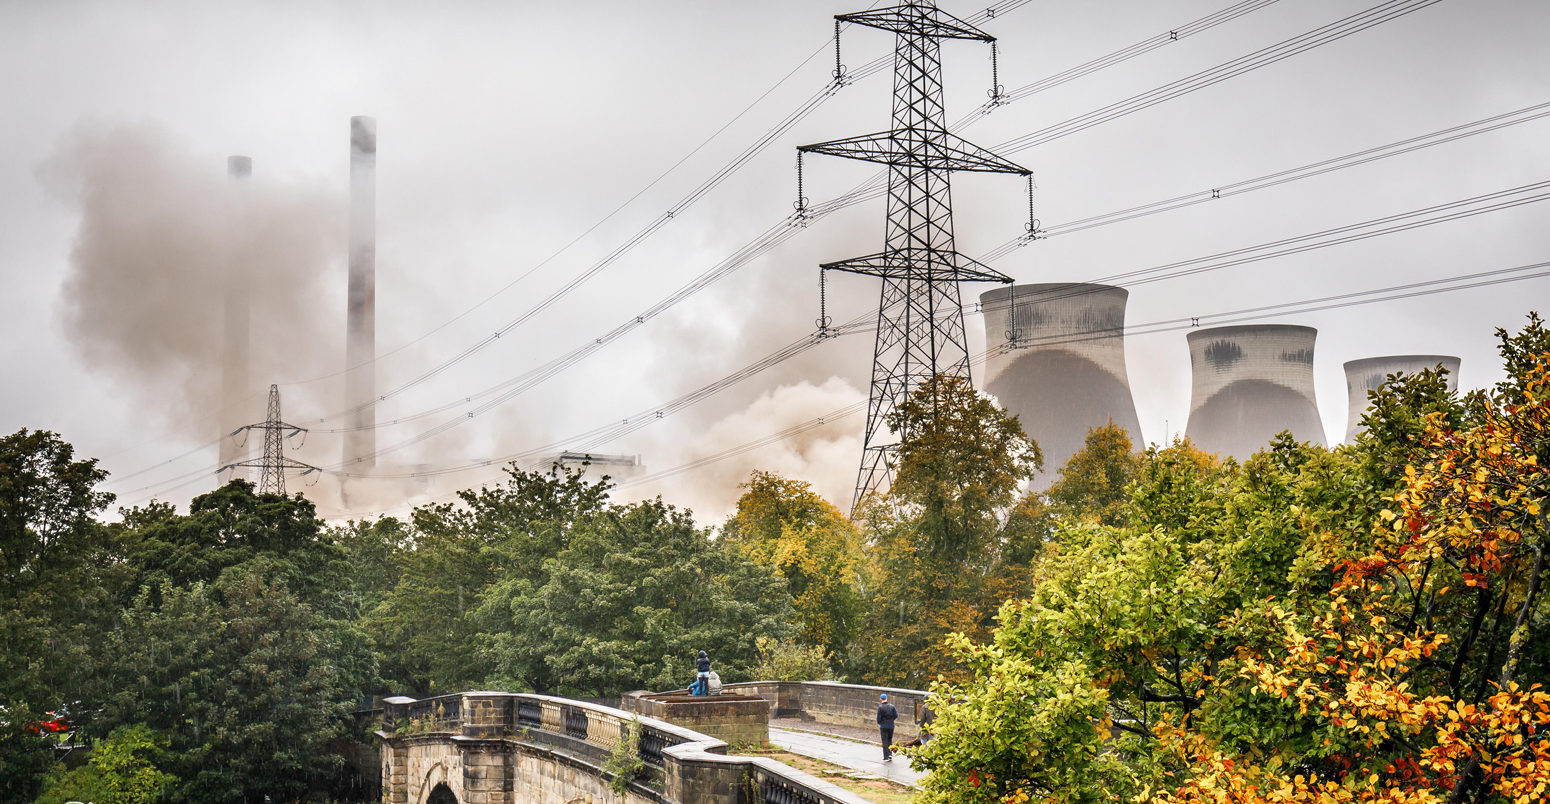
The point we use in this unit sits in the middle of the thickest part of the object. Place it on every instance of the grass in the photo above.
(880, 791)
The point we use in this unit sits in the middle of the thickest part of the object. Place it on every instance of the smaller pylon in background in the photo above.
(274, 463)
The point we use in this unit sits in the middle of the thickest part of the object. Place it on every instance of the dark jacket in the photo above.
(886, 715)
(704, 664)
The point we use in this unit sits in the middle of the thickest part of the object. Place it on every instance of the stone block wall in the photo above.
(842, 704)
(738, 720)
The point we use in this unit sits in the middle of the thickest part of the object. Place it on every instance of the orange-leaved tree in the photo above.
(1422, 672)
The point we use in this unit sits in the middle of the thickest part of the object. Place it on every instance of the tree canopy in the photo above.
(1358, 625)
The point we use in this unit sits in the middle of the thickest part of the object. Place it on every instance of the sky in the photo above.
(521, 144)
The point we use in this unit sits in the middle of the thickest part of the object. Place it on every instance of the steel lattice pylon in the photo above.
(274, 463)
(920, 329)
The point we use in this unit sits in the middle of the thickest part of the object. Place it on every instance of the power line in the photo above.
(872, 188)
(1333, 302)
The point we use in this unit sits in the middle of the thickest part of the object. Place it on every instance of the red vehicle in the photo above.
(52, 723)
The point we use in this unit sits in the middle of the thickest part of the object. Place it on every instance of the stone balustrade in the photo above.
(842, 704)
(506, 748)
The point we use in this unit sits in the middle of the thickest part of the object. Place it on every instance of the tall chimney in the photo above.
(235, 344)
(361, 317)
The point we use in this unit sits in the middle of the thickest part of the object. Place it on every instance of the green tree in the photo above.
(58, 567)
(1309, 625)
(125, 768)
(1092, 482)
(233, 525)
(628, 602)
(237, 642)
(959, 464)
(785, 526)
(373, 551)
(938, 537)
(427, 627)
(240, 676)
(789, 660)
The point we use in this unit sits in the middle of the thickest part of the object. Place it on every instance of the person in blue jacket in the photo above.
(702, 678)
(886, 715)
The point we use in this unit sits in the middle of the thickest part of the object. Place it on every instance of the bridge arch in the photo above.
(434, 788)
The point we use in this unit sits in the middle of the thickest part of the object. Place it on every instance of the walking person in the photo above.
(886, 715)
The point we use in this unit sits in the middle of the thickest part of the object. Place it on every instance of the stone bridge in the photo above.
(512, 748)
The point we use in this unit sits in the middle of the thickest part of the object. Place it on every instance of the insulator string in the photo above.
(1033, 225)
(839, 69)
(996, 92)
(823, 305)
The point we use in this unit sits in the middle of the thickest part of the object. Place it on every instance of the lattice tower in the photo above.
(273, 465)
(920, 329)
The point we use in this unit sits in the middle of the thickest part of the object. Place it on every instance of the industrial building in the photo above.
(1250, 383)
(1369, 374)
(1058, 364)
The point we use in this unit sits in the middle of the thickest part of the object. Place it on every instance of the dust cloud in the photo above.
(163, 236)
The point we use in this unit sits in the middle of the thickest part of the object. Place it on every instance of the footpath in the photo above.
(844, 746)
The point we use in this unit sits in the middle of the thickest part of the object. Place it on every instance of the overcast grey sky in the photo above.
(507, 129)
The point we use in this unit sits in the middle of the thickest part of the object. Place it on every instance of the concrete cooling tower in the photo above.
(1250, 383)
(1066, 372)
(1369, 373)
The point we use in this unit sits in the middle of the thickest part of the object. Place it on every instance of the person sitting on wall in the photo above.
(702, 680)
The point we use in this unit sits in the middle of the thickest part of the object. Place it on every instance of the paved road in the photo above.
(865, 757)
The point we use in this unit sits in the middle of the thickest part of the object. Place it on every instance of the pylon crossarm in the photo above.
(917, 20)
(923, 148)
(922, 264)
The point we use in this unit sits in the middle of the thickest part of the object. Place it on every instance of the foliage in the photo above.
(623, 763)
(239, 675)
(782, 524)
(959, 464)
(789, 660)
(937, 537)
(634, 594)
(56, 569)
(125, 768)
(427, 625)
(236, 643)
(1358, 625)
(1093, 481)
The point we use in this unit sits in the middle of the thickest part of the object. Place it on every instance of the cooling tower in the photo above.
(1066, 372)
(1250, 383)
(1369, 373)
(360, 444)
(235, 343)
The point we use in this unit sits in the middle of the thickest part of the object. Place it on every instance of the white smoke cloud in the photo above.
(825, 457)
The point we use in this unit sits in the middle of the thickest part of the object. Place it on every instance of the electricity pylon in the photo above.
(274, 463)
(920, 330)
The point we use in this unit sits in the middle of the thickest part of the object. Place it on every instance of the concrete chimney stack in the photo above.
(1250, 383)
(1369, 374)
(361, 315)
(235, 340)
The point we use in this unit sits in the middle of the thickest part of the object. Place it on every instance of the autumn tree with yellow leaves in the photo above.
(785, 526)
(1360, 625)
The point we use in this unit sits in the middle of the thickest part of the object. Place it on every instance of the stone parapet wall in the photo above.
(738, 720)
(840, 704)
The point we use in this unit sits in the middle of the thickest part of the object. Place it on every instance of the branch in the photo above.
(1484, 599)
(1515, 642)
